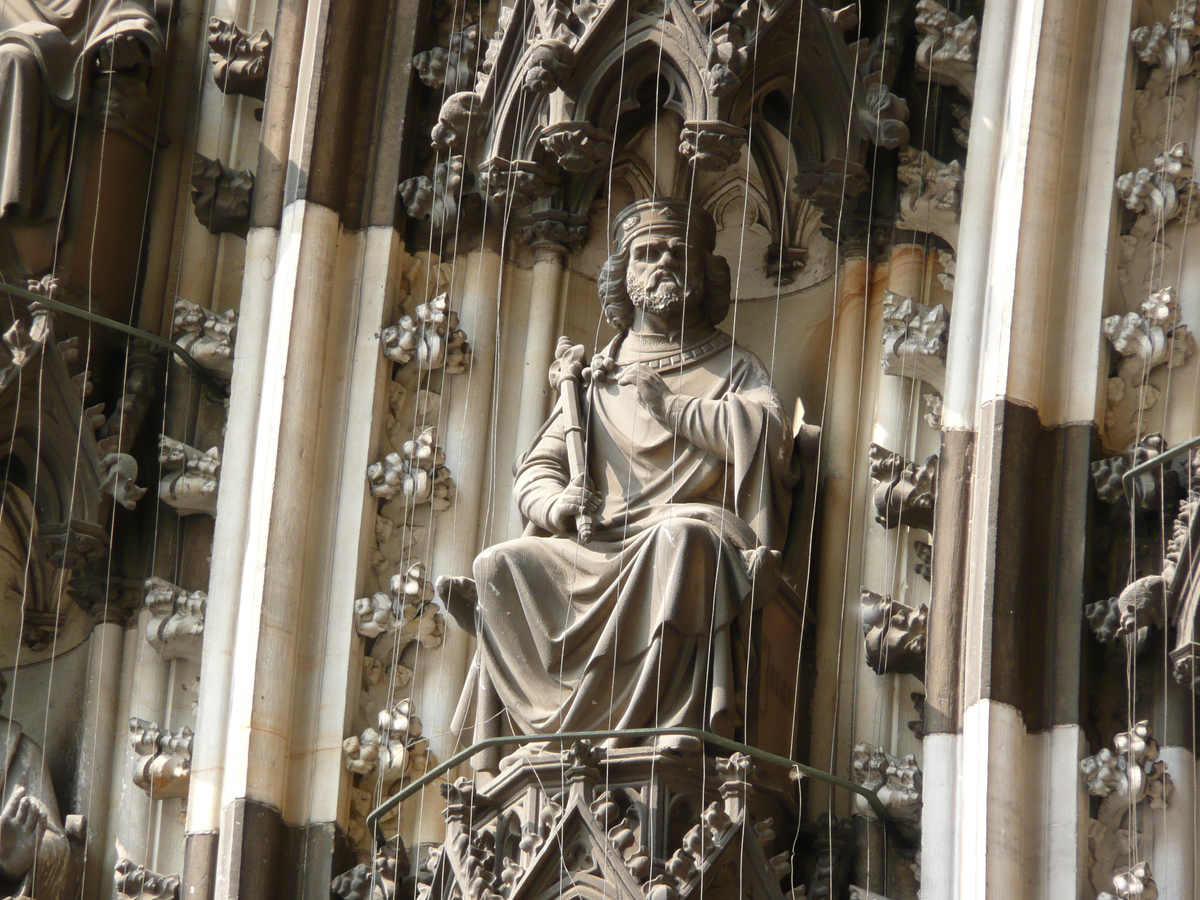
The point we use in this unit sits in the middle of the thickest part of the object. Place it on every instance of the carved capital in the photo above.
(515, 184)
(240, 59)
(207, 336)
(164, 764)
(906, 492)
(554, 229)
(711, 146)
(894, 635)
(914, 339)
(221, 197)
(838, 190)
(176, 624)
(947, 50)
(577, 146)
(191, 477)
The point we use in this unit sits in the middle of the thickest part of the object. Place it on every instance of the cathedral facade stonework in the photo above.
(580, 449)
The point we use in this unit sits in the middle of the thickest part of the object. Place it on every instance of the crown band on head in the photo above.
(665, 216)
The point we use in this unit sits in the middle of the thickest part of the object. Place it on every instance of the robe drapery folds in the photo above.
(640, 627)
(23, 766)
(47, 48)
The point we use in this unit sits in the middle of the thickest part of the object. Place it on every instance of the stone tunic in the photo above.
(24, 767)
(640, 627)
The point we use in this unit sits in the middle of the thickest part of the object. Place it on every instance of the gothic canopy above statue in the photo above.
(563, 87)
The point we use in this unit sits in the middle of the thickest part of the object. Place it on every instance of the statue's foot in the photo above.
(460, 597)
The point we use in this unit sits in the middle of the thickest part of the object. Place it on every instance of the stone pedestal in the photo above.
(589, 823)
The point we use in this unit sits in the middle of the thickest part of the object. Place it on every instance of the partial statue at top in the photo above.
(62, 57)
(687, 495)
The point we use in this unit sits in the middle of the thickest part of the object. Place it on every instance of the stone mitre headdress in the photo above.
(670, 218)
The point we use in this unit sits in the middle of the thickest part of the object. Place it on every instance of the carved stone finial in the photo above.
(164, 765)
(727, 56)
(884, 115)
(1170, 45)
(906, 493)
(711, 146)
(897, 782)
(208, 336)
(914, 339)
(894, 635)
(461, 116)
(946, 53)
(417, 474)
(191, 477)
(1161, 194)
(445, 199)
(1132, 883)
(240, 59)
(135, 882)
(451, 68)
(221, 197)
(1145, 340)
(430, 336)
(120, 479)
(392, 751)
(176, 624)
(932, 195)
(1130, 781)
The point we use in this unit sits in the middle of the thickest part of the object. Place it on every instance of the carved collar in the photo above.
(660, 352)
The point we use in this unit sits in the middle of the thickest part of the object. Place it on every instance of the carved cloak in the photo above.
(46, 53)
(641, 626)
(24, 766)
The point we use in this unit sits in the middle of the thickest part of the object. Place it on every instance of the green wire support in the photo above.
(1153, 463)
(58, 306)
(413, 787)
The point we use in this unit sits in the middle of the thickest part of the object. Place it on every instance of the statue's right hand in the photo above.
(21, 825)
(577, 497)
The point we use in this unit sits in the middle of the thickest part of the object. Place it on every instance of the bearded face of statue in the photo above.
(665, 275)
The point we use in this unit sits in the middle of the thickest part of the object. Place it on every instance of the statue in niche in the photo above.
(35, 852)
(59, 58)
(688, 462)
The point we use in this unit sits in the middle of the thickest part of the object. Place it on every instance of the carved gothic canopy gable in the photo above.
(564, 89)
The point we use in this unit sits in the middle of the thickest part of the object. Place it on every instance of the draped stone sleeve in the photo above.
(748, 430)
(542, 473)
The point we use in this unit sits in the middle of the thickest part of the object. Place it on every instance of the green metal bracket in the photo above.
(893, 829)
(1153, 463)
(58, 306)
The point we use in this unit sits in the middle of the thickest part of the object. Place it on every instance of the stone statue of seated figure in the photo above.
(688, 455)
(72, 56)
(35, 852)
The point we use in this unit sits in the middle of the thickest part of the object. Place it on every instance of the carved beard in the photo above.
(662, 293)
